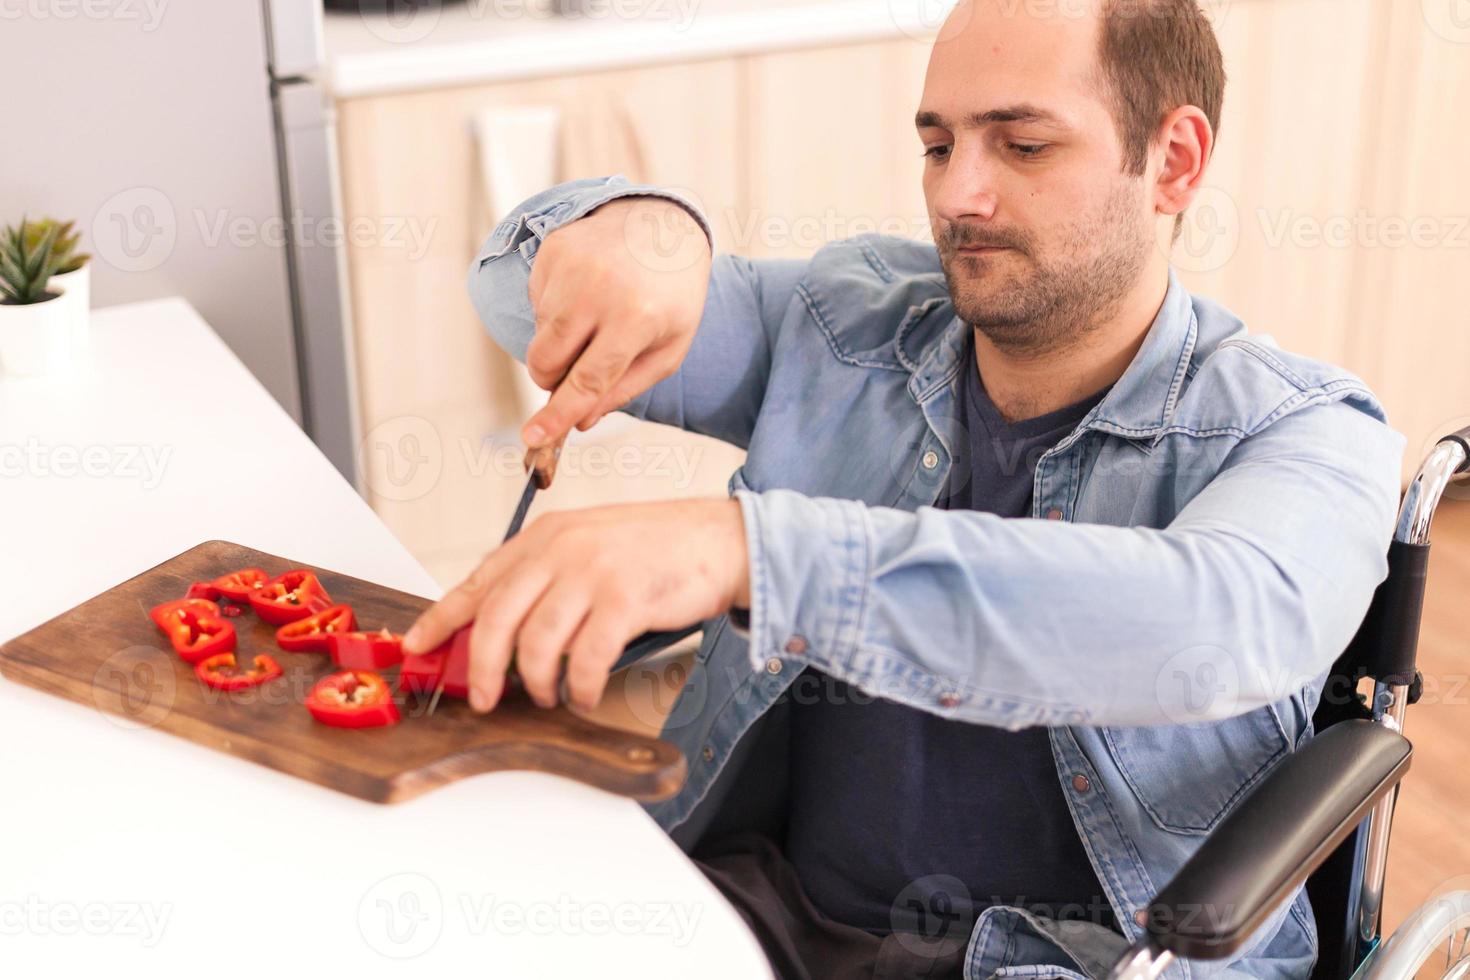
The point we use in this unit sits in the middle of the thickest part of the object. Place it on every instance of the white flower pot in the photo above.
(76, 293)
(36, 338)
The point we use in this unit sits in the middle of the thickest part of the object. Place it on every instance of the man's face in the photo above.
(1039, 231)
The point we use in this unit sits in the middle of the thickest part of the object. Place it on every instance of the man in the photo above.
(1037, 562)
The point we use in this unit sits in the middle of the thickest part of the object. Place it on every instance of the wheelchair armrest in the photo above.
(1275, 837)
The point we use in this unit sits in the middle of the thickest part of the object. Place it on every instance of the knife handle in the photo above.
(542, 462)
(652, 642)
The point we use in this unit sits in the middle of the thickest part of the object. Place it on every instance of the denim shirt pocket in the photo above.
(1187, 776)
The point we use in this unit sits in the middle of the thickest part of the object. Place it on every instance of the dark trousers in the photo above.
(799, 941)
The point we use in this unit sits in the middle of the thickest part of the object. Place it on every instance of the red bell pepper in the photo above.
(237, 586)
(288, 597)
(311, 635)
(195, 636)
(220, 672)
(365, 651)
(448, 663)
(352, 699)
(167, 615)
(202, 590)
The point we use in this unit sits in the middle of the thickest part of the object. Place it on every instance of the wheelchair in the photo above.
(1323, 814)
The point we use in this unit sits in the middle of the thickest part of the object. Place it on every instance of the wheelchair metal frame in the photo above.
(1442, 919)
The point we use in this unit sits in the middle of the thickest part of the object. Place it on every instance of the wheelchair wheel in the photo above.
(1442, 922)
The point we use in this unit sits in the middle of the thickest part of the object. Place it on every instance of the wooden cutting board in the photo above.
(107, 654)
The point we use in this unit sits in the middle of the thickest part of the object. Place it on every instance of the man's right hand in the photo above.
(618, 296)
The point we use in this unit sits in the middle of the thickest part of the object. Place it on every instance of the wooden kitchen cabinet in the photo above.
(1411, 285)
(1293, 144)
(832, 147)
(439, 420)
(1337, 213)
(412, 158)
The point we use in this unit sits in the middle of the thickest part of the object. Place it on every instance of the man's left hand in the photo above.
(584, 583)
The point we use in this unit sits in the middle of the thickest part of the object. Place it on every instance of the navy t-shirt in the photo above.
(885, 797)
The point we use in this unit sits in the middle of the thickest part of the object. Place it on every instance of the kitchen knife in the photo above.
(541, 464)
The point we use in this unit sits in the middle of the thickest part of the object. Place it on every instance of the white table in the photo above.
(131, 852)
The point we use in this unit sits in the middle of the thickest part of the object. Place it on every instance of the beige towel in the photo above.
(524, 150)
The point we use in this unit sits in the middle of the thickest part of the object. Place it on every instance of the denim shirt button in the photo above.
(1141, 917)
(797, 644)
(930, 460)
(709, 754)
(948, 699)
(773, 666)
(1055, 514)
(1081, 783)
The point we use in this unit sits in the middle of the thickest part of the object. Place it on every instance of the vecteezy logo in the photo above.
(1449, 19)
(135, 687)
(666, 694)
(1208, 236)
(401, 21)
(1198, 684)
(929, 20)
(135, 230)
(931, 916)
(664, 240)
(402, 916)
(401, 458)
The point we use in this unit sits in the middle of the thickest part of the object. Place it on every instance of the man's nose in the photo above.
(967, 188)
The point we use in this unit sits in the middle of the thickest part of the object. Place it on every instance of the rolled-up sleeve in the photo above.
(718, 388)
(1264, 576)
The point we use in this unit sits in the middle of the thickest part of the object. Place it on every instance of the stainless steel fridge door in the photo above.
(294, 37)
(316, 257)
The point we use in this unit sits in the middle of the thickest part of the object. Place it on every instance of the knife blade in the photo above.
(540, 464)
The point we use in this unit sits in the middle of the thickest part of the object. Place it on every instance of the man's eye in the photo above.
(940, 152)
(1027, 149)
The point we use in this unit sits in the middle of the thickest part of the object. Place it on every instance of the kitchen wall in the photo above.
(149, 123)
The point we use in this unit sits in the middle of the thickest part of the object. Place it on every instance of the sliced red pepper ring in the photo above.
(202, 590)
(288, 597)
(167, 615)
(238, 585)
(365, 651)
(352, 699)
(448, 663)
(311, 635)
(222, 673)
(195, 637)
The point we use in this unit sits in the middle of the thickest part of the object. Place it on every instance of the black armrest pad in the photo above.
(1275, 838)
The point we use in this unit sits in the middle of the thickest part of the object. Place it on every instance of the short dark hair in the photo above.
(1157, 55)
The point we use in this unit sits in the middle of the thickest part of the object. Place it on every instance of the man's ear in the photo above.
(1186, 141)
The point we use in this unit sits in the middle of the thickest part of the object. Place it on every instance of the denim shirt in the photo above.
(1201, 548)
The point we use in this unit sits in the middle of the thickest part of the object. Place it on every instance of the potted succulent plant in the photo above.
(35, 333)
(72, 278)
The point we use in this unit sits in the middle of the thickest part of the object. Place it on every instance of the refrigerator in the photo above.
(194, 145)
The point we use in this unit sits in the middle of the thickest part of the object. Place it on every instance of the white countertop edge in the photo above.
(574, 48)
